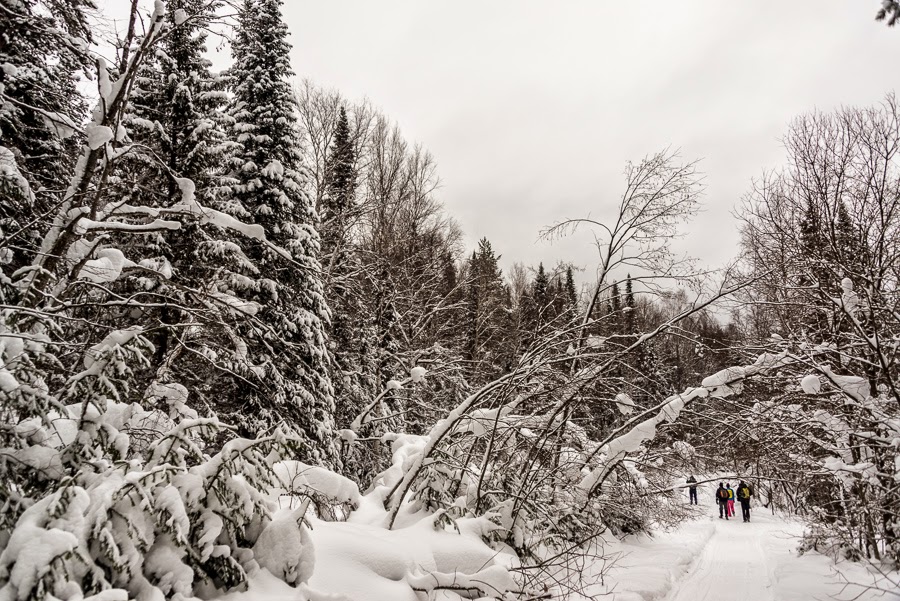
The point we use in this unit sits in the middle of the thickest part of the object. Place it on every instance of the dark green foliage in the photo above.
(571, 295)
(42, 50)
(488, 315)
(268, 187)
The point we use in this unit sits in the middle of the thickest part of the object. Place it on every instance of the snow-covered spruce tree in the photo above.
(97, 493)
(269, 186)
(176, 110)
(43, 46)
(488, 314)
(571, 294)
(176, 126)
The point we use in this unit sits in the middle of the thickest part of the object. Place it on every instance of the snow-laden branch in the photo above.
(641, 428)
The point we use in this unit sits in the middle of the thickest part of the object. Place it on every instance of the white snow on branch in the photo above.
(97, 135)
(417, 374)
(107, 267)
(811, 384)
(624, 403)
(9, 172)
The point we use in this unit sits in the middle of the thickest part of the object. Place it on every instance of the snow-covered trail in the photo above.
(735, 563)
(709, 558)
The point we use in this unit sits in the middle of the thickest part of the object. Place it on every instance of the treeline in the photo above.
(206, 273)
(374, 280)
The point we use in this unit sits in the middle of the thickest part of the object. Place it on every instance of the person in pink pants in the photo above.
(730, 499)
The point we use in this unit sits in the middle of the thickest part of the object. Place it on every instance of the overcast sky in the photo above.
(532, 108)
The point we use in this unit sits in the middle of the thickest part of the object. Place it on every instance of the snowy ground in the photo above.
(709, 558)
(705, 558)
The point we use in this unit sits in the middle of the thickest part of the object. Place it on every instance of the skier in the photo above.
(722, 500)
(730, 499)
(744, 492)
(693, 489)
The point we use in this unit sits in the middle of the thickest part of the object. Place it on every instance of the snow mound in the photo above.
(285, 548)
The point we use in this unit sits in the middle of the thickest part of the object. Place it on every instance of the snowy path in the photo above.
(735, 563)
(709, 558)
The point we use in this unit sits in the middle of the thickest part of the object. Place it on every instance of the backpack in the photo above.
(743, 492)
(730, 493)
(722, 493)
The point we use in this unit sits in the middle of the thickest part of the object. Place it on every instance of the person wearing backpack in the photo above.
(730, 505)
(692, 489)
(744, 492)
(722, 501)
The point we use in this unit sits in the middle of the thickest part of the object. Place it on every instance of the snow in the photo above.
(811, 384)
(273, 170)
(296, 477)
(42, 459)
(394, 385)
(367, 562)
(595, 341)
(284, 547)
(417, 374)
(60, 123)
(237, 304)
(9, 171)
(723, 377)
(207, 215)
(494, 580)
(708, 558)
(849, 298)
(30, 550)
(112, 340)
(854, 386)
(624, 403)
(97, 135)
(107, 267)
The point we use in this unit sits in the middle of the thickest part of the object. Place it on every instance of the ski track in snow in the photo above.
(734, 563)
(711, 558)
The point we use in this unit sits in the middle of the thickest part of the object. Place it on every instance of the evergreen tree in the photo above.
(488, 314)
(177, 110)
(268, 186)
(43, 46)
(352, 332)
(615, 308)
(340, 189)
(540, 294)
(558, 300)
(175, 120)
(629, 306)
(571, 295)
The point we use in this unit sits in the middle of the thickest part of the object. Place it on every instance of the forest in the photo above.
(239, 330)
